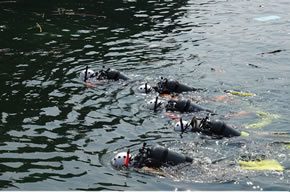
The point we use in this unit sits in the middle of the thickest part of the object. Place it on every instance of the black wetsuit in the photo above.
(217, 128)
(158, 156)
(167, 87)
(111, 75)
(184, 106)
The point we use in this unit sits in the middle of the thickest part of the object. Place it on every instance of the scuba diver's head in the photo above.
(145, 88)
(86, 74)
(154, 104)
(183, 126)
(122, 159)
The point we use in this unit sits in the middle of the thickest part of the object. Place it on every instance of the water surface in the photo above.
(57, 134)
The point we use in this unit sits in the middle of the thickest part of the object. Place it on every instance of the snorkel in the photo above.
(183, 126)
(86, 74)
(145, 88)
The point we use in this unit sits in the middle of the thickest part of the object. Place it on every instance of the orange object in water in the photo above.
(172, 116)
(89, 84)
(93, 84)
(221, 98)
(168, 96)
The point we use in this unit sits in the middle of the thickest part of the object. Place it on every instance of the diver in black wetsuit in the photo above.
(207, 127)
(103, 74)
(153, 157)
(167, 87)
(176, 105)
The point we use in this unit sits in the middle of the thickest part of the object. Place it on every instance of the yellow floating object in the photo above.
(242, 94)
(260, 124)
(267, 164)
(267, 115)
(244, 133)
(266, 119)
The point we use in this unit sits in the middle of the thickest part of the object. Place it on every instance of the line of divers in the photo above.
(157, 156)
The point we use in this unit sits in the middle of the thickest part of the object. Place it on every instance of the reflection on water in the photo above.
(57, 134)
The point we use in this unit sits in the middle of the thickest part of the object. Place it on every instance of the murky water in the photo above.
(57, 134)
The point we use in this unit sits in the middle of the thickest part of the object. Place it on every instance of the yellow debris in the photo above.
(267, 164)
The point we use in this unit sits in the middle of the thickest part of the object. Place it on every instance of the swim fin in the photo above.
(267, 164)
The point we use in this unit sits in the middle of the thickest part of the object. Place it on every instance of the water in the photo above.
(57, 134)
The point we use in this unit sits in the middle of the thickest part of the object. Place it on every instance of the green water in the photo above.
(57, 134)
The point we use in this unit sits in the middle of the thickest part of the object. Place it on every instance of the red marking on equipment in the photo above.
(127, 159)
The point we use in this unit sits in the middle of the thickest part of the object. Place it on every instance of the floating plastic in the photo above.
(267, 164)
(267, 18)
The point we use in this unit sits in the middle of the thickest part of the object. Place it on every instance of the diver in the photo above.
(152, 157)
(205, 126)
(167, 87)
(176, 105)
(103, 74)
